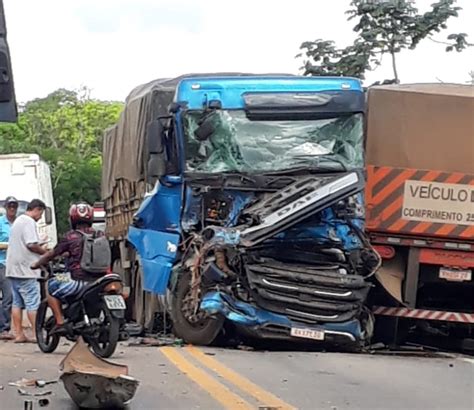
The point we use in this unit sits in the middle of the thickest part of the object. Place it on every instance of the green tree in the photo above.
(471, 75)
(65, 129)
(383, 27)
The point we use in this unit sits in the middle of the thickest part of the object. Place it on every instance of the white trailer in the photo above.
(26, 177)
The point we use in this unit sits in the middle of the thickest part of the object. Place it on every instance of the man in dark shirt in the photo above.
(71, 283)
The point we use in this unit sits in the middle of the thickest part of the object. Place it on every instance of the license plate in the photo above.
(115, 302)
(307, 333)
(455, 275)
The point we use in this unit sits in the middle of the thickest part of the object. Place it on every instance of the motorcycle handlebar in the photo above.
(47, 270)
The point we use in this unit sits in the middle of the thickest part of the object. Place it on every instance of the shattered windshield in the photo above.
(227, 141)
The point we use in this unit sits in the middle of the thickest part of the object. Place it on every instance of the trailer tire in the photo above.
(204, 331)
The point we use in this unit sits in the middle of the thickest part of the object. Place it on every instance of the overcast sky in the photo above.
(113, 45)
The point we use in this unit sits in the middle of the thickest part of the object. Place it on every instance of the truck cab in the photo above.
(256, 215)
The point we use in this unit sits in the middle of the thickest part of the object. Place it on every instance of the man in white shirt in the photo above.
(23, 250)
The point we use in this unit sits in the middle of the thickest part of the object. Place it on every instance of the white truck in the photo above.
(26, 176)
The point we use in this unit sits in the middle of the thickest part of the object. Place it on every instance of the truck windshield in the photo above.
(227, 141)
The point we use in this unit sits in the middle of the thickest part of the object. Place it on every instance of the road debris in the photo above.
(42, 383)
(134, 329)
(31, 383)
(95, 383)
(23, 392)
(156, 341)
(43, 402)
(245, 348)
(23, 383)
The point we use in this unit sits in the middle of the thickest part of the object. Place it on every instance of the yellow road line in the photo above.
(217, 390)
(238, 380)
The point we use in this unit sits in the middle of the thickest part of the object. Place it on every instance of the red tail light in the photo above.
(386, 252)
(114, 287)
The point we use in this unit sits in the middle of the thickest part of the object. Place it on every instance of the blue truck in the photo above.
(239, 199)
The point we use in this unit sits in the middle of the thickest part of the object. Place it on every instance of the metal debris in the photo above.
(134, 329)
(31, 383)
(42, 383)
(23, 392)
(156, 341)
(245, 348)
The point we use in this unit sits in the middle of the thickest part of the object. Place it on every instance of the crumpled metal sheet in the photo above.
(94, 383)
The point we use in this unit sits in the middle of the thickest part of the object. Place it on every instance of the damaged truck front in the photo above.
(256, 216)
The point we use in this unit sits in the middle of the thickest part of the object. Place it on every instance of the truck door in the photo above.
(155, 234)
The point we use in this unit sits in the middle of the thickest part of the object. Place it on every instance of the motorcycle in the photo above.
(96, 313)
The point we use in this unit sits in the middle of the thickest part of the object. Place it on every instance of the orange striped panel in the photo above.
(384, 202)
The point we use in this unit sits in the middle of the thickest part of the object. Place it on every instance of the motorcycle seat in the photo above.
(110, 277)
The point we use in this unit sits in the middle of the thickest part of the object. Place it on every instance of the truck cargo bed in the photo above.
(121, 206)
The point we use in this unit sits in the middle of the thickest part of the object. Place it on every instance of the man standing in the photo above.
(6, 221)
(24, 249)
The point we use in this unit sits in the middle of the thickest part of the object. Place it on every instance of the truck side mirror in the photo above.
(48, 216)
(8, 110)
(156, 166)
(155, 137)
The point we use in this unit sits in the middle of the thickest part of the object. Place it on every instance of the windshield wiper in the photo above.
(317, 158)
(302, 169)
(334, 159)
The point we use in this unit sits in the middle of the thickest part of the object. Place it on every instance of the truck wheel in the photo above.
(199, 328)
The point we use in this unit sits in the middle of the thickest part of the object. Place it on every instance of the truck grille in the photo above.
(306, 293)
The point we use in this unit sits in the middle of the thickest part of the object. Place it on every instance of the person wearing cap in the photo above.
(24, 248)
(6, 221)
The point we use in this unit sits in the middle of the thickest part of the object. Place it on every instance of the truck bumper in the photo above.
(424, 314)
(260, 323)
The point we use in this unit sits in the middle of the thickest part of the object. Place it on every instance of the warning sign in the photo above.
(438, 202)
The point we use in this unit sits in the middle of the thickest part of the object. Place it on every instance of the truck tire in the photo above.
(198, 332)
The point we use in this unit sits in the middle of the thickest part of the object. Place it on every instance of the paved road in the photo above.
(207, 378)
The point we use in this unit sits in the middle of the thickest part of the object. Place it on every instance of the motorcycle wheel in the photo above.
(43, 326)
(105, 343)
(200, 329)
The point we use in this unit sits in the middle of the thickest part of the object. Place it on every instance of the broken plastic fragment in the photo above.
(95, 383)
